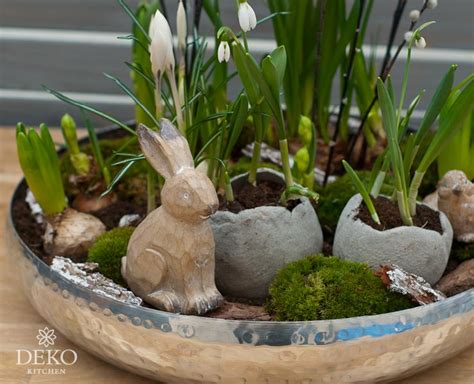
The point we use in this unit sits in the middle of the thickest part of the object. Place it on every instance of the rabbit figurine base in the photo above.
(170, 258)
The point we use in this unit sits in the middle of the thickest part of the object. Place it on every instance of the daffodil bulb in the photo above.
(161, 46)
(223, 52)
(420, 43)
(181, 25)
(247, 18)
(431, 4)
(414, 15)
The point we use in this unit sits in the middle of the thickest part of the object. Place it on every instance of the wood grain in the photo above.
(19, 323)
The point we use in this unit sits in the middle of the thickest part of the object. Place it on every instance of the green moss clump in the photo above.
(462, 251)
(319, 287)
(108, 251)
(334, 197)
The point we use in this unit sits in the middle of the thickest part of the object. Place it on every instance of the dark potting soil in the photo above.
(389, 216)
(32, 233)
(112, 214)
(29, 230)
(265, 193)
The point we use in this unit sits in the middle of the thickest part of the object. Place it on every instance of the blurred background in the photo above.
(69, 44)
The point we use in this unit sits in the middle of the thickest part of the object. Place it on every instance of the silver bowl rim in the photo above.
(269, 333)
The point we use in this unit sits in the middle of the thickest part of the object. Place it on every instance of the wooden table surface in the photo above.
(19, 323)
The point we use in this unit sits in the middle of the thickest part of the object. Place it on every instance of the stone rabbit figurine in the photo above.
(456, 200)
(170, 258)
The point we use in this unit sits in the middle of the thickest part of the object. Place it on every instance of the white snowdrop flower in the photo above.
(223, 52)
(431, 4)
(414, 15)
(181, 25)
(408, 36)
(247, 18)
(151, 28)
(161, 46)
(420, 43)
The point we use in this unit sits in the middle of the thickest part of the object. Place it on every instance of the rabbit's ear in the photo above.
(167, 150)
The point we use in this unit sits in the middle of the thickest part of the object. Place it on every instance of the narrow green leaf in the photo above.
(127, 90)
(362, 190)
(434, 108)
(88, 108)
(455, 117)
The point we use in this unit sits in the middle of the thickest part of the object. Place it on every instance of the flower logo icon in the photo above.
(46, 337)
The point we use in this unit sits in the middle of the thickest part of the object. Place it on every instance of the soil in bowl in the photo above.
(389, 216)
(265, 193)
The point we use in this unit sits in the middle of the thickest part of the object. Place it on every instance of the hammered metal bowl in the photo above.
(176, 348)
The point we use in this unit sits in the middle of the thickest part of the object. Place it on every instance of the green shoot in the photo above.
(362, 190)
(141, 59)
(96, 151)
(40, 164)
(459, 152)
(453, 119)
(79, 160)
(390, 122)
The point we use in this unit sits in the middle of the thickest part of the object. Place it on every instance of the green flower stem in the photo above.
(404, 208)
(285, 159)
(181, 80)
(158, 103)
(246, 44)
(177, 102)
(413, 193)
(257, 146)
(229, 193)
(295, 191)
(378, 183)
(362, 190)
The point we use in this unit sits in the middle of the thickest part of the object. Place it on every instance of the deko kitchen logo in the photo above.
(46, 361)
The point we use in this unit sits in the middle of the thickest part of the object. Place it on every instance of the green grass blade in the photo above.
(127, 90)
(437, 102)
(455, 116)
(88, 108)
(362, 190)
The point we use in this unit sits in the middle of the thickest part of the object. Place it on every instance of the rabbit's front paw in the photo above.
(204, 303)
(165, 300)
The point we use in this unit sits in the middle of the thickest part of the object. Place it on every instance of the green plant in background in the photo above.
(305, 158)
(334, 197)
(97, 151)
(387, 65)
(459, 152)
(144, 89)
(362, 190)
(320, 288)
(108, 250)
(407, 182)
(40, 165)
(79, 160)
(262, 84)
(316, 47)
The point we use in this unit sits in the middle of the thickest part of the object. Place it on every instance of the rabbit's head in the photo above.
(187, 193)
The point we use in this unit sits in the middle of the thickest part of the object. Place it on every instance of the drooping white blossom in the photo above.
(181, 25)
(420, 43)
(414, 15)
(223, 52)
(408, 35)
(161, 46)
(247, 17)
(431, 4)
